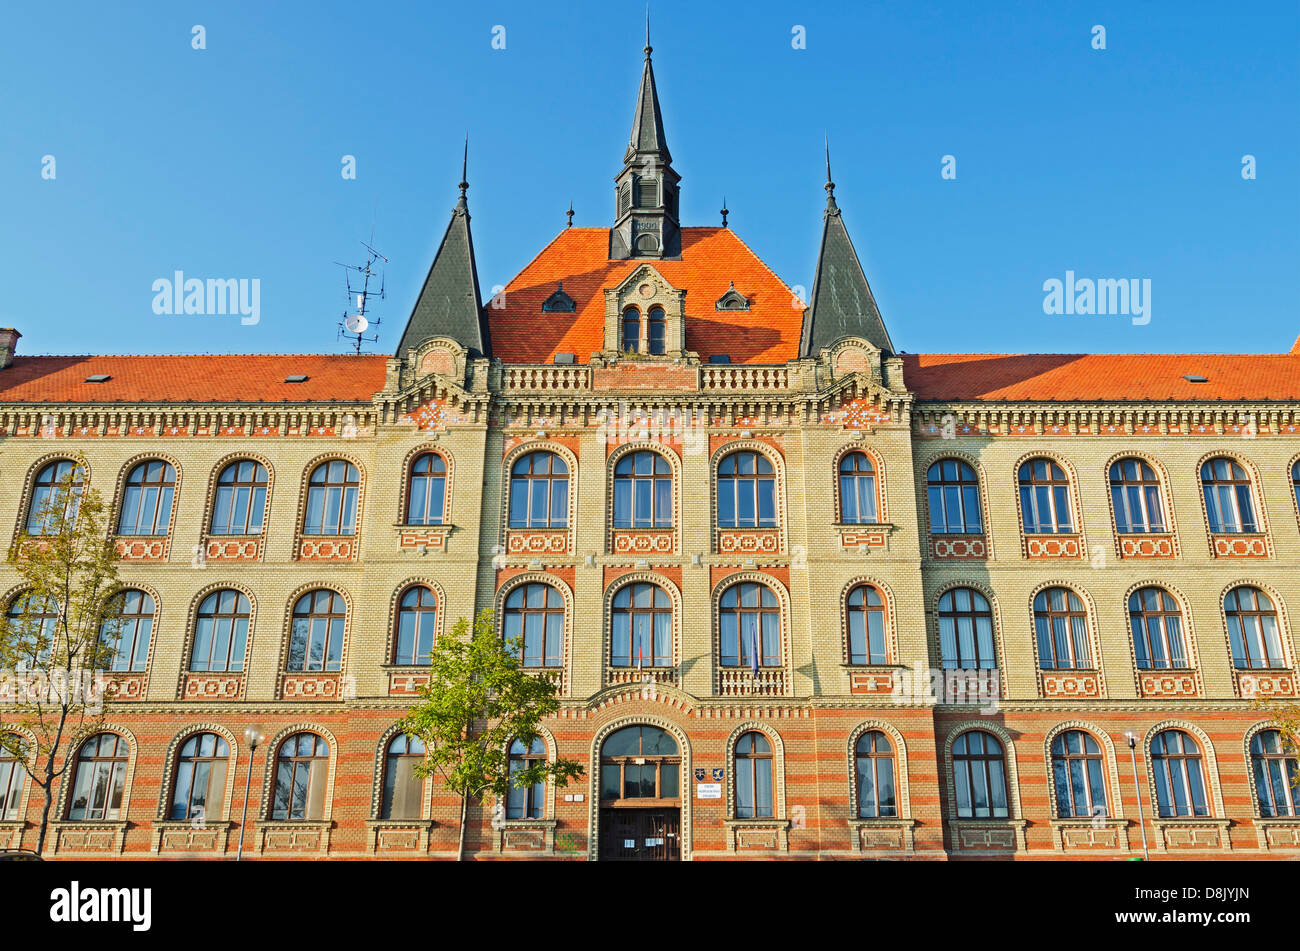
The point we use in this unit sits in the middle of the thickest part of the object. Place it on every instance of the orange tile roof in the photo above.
(243, 378)
(711, 257)
(1102, 376)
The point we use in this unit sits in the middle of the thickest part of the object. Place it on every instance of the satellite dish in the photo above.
(356, 324)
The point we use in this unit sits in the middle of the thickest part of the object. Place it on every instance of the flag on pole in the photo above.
(640, 663)
(753, 647)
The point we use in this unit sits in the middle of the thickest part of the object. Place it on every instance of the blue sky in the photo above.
(225, 162)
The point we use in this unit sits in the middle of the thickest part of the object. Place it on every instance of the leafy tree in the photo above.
(477, 702)
(1285, 717)
(55, 641)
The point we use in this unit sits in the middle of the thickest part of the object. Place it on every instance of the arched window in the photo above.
(13, 778)
(641, 627)
(426, 496)
(1252, 629)
(1157, 625)
(1079, 771)
(240, 504)
(1276, 775)
(647, 242)
(301, 775)
(640, 762)
(56, 496)
(1180, 776)
(147, 499)
(753, 777)
(221, 632)
(403, 796)
(749, 623)
(1045, 498)
(332, 499)
(316, 635)
(1062, 626)
(100, 779)
(1228, 502)
(200, 778)
(657, 330)
(643, 491)
(857, 489)
(980, 776)
(966, 630)
(874, 757)
(1135, 496)
(866, 623)
(954, 494)
(417, 619)
(535, 614)
(631, 330)
(34, 623)
(526, 802)
(1295, 482)
(539, 491)
(127, 631)
(746, 491)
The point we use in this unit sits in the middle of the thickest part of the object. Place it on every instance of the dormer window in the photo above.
(559, 302)
(732, 300)
(631, 330)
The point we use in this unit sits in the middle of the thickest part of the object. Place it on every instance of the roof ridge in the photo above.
(741, 241)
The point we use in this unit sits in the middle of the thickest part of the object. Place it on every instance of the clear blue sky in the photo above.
(226, 162)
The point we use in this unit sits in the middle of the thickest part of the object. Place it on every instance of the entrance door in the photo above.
(640, 835)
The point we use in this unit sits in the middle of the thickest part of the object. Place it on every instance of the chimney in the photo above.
(8, 344)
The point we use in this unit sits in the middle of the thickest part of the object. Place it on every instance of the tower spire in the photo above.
(831, 207)
(462, 205)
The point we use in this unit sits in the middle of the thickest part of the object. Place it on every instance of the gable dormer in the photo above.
(559, 302)
(732, 300)
(645, 317)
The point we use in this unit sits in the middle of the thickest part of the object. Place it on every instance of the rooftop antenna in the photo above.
(357, 279)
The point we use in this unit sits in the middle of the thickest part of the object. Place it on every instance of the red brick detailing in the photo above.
(1240, 546)
(644, 542)
(327, 548)
(537, 542)
(672, 572)
(959, 546)
(1168, 683)
(717, 441)
(434, 541)
(438, 360)
(1146, 546)
(153, 548)
(321, 686)
(864, 538)
(1058, 684)
(1053, 546)
(754, 541)
(871, 681)
(406, 683)
(212, 686)
(1265, 683)
(126, 685)
(233, 548)
(635, 375)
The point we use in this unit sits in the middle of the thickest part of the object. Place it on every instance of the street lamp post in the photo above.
(254, 737)
(1137, 788)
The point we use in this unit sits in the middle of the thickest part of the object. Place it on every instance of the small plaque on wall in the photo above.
(708, 790)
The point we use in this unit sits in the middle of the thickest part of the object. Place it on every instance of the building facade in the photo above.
(802, 595)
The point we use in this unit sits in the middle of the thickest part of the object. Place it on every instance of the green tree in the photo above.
(477, 702)
(1285, 718)
(52, 652)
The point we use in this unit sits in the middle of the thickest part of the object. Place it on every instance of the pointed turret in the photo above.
(449, 304)
(842, 302)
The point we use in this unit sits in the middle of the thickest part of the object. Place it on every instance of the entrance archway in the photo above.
(640, 796)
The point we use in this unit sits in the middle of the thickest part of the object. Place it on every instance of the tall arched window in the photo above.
(643, 491)
(240, 504)
(953, 491)
(301, 775)
(631, 330)
(1276, 775)
(966, 630)
(874, 759)
(1045, 498)
(1180, 775)
(34, 624)
(535, 614)
(128, 630)
(147, 499)
(332, 499)
(1229, 505)
(1252, 629)
(866, 623)
(426, 496)
(753, 777)
(539, 491)
(641, 627)
(1062, 627)
(200, 782)
(980, 776)
(640, 762)
(526, 802)
(857, 489)
(316, 634)
(13, 779)
(1135, 497)
(749, 623)
(746, 491)
(657, 330)
(1079, 772)
(221, 632)
(417, 620)
(1157, 625)
(56, 495)
(100, 779)
(403, 794)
